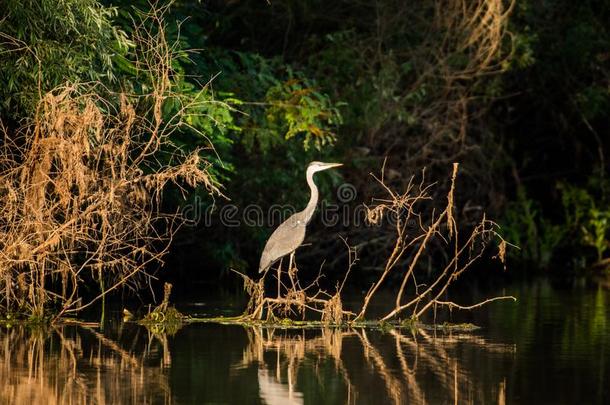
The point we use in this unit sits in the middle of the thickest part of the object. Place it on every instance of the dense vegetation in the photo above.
(517, 92)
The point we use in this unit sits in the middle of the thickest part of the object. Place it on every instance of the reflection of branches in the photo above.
(125, 356)
(434, 358)
(408, 373)
(33, 370)
(392, 383)
(435, 353)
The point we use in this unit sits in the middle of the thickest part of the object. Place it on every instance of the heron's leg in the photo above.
(291, 261)
(279, 282)
(290, 273)
(295, 270)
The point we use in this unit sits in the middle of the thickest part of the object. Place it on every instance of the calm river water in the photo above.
(551, 347)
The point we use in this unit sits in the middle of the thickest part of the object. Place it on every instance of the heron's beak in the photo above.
(331, 165)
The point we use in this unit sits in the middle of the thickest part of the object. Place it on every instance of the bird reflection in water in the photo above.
(70, 364)
(424, 367)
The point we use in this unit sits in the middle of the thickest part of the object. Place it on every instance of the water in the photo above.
(553, 346)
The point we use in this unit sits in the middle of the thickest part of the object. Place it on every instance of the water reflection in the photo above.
(551, 347)
(77, 365)
(390, 366)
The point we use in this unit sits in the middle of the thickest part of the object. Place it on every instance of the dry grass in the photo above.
(80, 187)
(291, 300)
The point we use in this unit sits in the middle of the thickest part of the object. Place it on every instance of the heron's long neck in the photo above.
(313, 200)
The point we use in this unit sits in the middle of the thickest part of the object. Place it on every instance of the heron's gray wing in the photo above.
(284, 240)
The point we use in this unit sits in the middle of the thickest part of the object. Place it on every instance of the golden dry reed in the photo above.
(81, 184)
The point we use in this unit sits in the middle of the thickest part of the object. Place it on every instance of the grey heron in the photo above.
(291, 233)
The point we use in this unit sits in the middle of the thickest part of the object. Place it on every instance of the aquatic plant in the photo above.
(165, 318)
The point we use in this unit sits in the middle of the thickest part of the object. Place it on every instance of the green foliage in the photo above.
(557, 116)
(45, 43)
(250, 112)
(296, 108)
(583, 225)
(248, 106)
(276, 103)
(524, 225)
(524, 55)
(208, 117)
(378, 90)
(587, 217)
